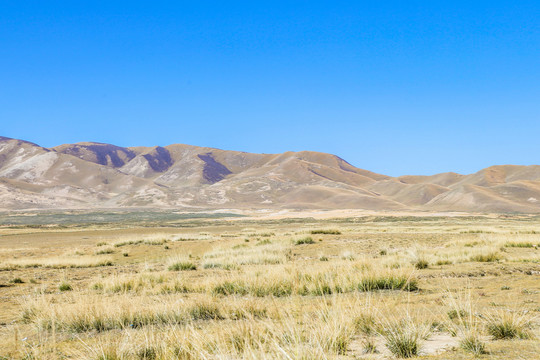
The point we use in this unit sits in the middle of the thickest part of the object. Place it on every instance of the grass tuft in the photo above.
(182, 266)
(105, 251)
(508, 325)
(472, 343)
(489, 257)
(65, 286)
(305, 240)
(421, 264)
(403, 339)
(389, 282)
(519, 244)
(205, 312)
(325, 232)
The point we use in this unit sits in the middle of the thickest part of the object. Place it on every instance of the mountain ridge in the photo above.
(99, 175)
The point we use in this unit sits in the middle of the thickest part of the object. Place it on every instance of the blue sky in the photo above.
(396, 87)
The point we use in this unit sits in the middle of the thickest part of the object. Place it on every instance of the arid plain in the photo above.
(310, 285)
(280, 180)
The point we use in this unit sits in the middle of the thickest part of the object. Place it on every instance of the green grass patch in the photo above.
(304, 240)
(65, 286)
(489, 257)
(325, 232)
(388, 283)
(519, 244)
(182, 266)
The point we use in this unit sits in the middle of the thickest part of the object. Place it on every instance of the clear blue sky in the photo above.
(396, 87)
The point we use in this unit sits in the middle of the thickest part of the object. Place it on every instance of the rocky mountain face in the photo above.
(95, 175)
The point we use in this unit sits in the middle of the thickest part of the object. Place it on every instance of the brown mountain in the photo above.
(95, 175)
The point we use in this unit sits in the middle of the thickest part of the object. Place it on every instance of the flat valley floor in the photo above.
(349, 287)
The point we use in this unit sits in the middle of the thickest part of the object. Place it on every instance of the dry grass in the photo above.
(259, 290)
(60, 262)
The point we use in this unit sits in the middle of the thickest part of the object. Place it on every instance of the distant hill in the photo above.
(95, 175)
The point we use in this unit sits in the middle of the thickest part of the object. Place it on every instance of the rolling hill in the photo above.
(95, 175)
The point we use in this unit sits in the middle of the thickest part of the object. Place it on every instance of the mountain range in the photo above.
(95, 175)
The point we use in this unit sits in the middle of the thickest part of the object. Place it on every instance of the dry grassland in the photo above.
(349, 288)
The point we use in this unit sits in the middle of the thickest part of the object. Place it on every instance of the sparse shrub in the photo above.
(226, 266)
(105, 263)
(505, 287)
(278, 289)
(142, 242)
(101, 243)
(489, 257)
(390, 282)
(205, 312)
(166, 247)
(322, 289)
(508, 326)
(443, 262)
(519, 244)
(383, 252)
(228, 235)
(304, 240)
(125, 254)
(529, 232)
(65, 286)
(97, 286)
(131, 242)
(182, 266)
(122, 286)
(323, 258)
(326, 232)
(230, 288)
(403, 339)
(105, 251)
(476, 232)
(421, 264)
(178, 288)
(16, 280)
(472, 343)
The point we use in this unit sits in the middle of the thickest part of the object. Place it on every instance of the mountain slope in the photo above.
(96, 175)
